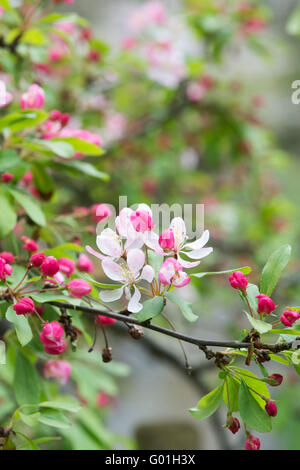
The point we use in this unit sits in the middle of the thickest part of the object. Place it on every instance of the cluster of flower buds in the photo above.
(5, 268)
(289, 317)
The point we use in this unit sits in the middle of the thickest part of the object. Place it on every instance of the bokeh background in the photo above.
(153, 400)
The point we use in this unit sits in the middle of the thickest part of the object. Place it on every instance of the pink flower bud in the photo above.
(34, 98)
(8, 257)
(100, 212)
(167, 240)
(234, 425)
(5, 269)
(141, 221)
(275, 380)
(84, 264)
(103, 399)
(104, 320)
(64, 119)
(171, 273)
(51, 337)
(289, 317)
(238, 280)
(55, 115)
(37, 259)
(265, 304)
(252, 443)
(50, 266)
(57, 369)
(78, 288)
(67, 266)
(23, 307)
(7, 177)
(29, 245)
(271, 408)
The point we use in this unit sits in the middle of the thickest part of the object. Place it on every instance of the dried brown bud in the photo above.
(107, 354)
(136, 331)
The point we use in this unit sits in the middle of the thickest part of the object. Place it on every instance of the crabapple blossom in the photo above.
(100, 212)
(238, 280)
(29, 245)
(166, 240)
(252, 443)
(52, 338)
(7, 177)
(7, 256)
(171, 273)
(34, 98)
(128, 273)
(194, 250)
(37, 259)
(5, 269)
(57, 369)
(25, 305)
(50, 266)
(84, 264)
(233, 424)
(289, 317)
(78, 288)
(101, 319)
(265, 304)
(271, 408)
(152, 12)
(66, 266)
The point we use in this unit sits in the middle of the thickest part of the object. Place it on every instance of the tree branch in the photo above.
(201, 343)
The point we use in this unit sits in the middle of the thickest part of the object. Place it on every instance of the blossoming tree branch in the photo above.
(52, 256)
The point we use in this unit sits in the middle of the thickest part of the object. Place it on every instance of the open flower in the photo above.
(194, 250)
(129, 274)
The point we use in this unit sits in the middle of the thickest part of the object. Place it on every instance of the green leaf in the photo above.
(71, 406)
(151, 308)
(58, 147)
(208, 404)
(31, 420)
(23, 119)
(184, 305)
(293, 25)
(54, 418)
(8, 159)
(87, 169)
(43, 297)
(244, 270)
(30, 206)
(252, 292)
(8, 216)
(251, 413)
(155, 260)
(42, 179)
(260, 326)
(286, 331)
(254, 382)
(22, 327)
(101, 284)
(82, 146)
(34, 37)
(2, 353)
(26, 381)
(232, 388)
(274, 269)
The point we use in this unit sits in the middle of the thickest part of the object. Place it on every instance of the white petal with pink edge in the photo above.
(93, 252)
(179, 231)
(147, 274)
(135, 260)
(108, 242)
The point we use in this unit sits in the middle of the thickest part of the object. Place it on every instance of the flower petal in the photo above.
(111, 295)
(200, 242)
(151, 241)
(179, 231)
(108, 242)
(188, 264)
(147, 273)
(135, 260)
(144, 207)
(199, 254)
(181, 279)
(123, 221)
(134, 306)
(112, 270)
(93, 252)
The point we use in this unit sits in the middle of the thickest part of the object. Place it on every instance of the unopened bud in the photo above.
(136, 331)
(274, 380)
(107, 354)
